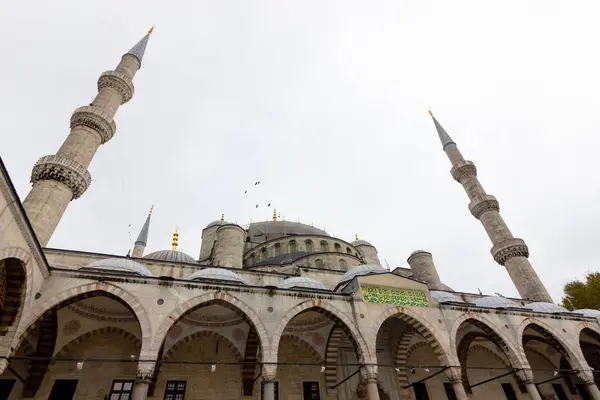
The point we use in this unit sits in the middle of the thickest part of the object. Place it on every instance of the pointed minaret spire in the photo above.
(59, 178)
(139, 48)
(507, 250)
(142, 239)
(175, 241)
(444, 137)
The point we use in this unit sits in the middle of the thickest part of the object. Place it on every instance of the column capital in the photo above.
(269, 372)
(586, 376)
(145, 371)
(507, 249)
(526, 376)
(454, 375)
(369, 373)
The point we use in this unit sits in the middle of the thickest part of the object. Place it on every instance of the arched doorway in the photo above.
(589, 340)
(484, 355)
(416, 354)
(210, 343)
(551, 363)
(80, 347)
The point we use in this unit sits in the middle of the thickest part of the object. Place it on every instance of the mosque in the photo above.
(272, 310)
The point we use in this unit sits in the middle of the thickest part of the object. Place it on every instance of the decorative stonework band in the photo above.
(63, 170)
(483, 204)
(96, 119)
(145, 371)
(462, 170)
(508, 249)
(454, 375)
(119, 82)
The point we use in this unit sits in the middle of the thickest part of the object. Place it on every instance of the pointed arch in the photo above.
(429, 333)
(297, 339)
(78, 293)
(323, 307)
(203, 333)
(137, 343)
(203, 300)
(336, 336)
(402, 354)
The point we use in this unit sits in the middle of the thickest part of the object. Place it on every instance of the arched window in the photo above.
(348, 250)
(252, 259)
(343, 264)
(309, 245)
(293, 246)
(263, 254)
(337, 248)
(277, 249)
(319, 263)
(324, 246)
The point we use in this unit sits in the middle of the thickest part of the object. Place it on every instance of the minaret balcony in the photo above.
(481, 205)
(462, 170)
(64, 170)
(119, 82)
(508, 249)
(96, 119)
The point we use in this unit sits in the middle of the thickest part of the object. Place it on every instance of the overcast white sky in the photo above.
(324, 102)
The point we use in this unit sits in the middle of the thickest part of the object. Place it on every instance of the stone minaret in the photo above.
(142, 239)
(507, 250)
(58, 179)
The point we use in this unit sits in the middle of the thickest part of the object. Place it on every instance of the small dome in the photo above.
(361, 242)
(301, 282)
(119, 265)
(443, 297)
(220, 274)
(170, 255)
(361, 270)
(496, 302)
(542, 306)
(216, 223)
(588, 312)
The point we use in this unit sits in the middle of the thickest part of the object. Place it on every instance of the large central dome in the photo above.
(259, 232)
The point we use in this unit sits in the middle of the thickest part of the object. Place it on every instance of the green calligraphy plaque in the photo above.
(397, 297)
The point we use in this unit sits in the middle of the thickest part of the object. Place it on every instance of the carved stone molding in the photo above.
(96, 119)
(508, 249)
(462, 170)
(145, 371)
(483, 204)
(119, 82)
(269, 372)
(63, 170)
(369, 373)
(587, 377)
(526, 377)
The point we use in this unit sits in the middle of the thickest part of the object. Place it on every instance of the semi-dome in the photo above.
(220, 274)
(361, 242)
(301, 282)
(119, 265)
(542, 306)
(171, 255)
(496, 302)
(361, 270)
(443, 297)
(588, 312)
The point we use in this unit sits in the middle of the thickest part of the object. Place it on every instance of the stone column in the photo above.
(144, 375)
(269, 372)
(526, 376)
(3, 365)
(369, 376)
(455, 377)
(588, 379)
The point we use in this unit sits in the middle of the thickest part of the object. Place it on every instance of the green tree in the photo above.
(580, 295)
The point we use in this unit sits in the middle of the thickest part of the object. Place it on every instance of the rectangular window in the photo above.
(121, 390)
(509, 392)
(6, 386)
(175, 390)
(420, 391)
(449, 391)
(63, 389)
(560, 392)
(311, 391)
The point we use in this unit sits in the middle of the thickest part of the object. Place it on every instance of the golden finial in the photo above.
(175, 238)
(151, 208)
(274, 214)
(151, 30)
(222, 217)
(430, 113)
(356, 236)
